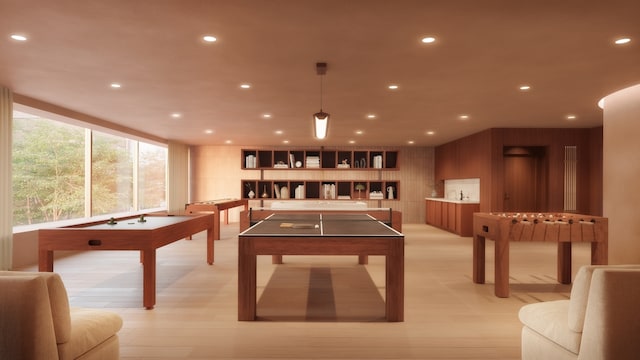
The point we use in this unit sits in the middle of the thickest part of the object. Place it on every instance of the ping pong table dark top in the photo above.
(320, 225)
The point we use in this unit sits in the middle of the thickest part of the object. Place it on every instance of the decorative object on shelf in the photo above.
(250, 194)
(112, 221)
(299, 192)
(344, 164)
(363, 163)
(264, 192)
(276, 190)
(298, 164)
(321, 119)
(359, 187)
(390, 190)
(284, 192)
(142, 219)
(329, 191)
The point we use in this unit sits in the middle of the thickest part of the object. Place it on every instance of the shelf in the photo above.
(319, 159)
(321, 189)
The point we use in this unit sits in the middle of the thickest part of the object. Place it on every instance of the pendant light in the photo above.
(320, 119)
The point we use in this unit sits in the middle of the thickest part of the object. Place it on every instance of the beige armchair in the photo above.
(601, 319)
(36, 321)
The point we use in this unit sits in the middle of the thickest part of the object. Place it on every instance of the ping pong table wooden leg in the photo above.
(395, 281)
(246, 281)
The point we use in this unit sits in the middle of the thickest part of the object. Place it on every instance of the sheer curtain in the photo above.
(6, 197)
(177, 177)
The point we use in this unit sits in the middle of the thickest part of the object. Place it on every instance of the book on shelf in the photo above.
(312, 161)
(377, 161)
(376, 195)
(250, 161)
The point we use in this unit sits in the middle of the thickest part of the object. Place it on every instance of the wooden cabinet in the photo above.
(455, 217)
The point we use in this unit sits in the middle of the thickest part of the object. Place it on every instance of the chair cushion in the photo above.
(580, 293)
(26, 328)
(549, 319)
(89, 328)
(59, 302)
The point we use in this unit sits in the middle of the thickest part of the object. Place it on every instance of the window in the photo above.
(50, 179)
(112, 163)
(48, 170)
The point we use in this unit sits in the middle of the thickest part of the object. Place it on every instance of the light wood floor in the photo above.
(317, 307)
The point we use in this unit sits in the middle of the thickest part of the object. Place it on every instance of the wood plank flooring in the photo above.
(324, 307)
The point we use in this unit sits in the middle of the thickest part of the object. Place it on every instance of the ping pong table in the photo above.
(321, 234)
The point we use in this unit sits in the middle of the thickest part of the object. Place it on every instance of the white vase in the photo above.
(251, 194)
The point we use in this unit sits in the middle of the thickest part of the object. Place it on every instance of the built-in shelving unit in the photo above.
(322, 189)
(319, 159)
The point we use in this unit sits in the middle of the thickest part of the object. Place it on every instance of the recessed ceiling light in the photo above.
(245, 86)
(208, 131)
(524, 87)
(176, 115)
(18, 37)
(278, 132)
(428, 39)
(571, 117)
(393, 87)
(622, 41)
(410, 142)
(116, 85)
(209, 38)
(430, 132)
(228, 141)
(285, 141)
(359, 132)
(266, 116)
(352, 141)
(371, 116)
(463, 117)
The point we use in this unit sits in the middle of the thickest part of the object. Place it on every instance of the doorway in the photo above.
(525, 178)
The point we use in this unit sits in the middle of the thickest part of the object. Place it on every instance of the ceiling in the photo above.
(483, 52)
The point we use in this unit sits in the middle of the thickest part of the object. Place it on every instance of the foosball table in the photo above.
(561, 228)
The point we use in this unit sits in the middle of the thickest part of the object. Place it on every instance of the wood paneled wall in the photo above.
(481, 156)
(216, 173)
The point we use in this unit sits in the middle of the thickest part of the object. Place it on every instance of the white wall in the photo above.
(621, 167)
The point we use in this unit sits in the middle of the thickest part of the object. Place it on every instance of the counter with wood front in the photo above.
(452, 215)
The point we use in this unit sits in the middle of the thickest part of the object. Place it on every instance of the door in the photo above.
(524, 180)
